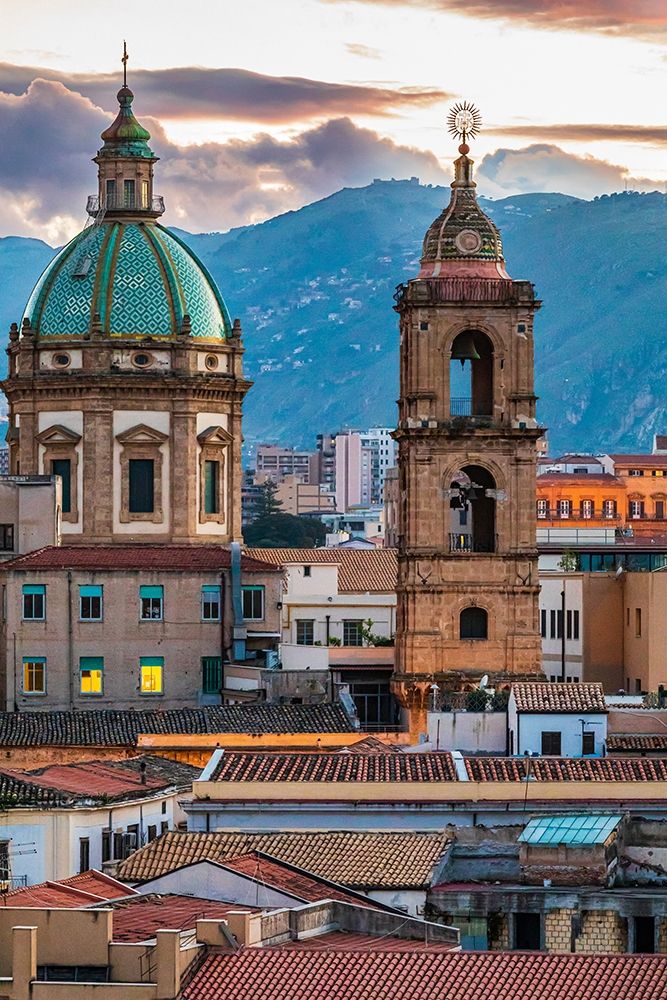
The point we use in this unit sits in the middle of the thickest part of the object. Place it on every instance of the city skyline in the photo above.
(327, 94)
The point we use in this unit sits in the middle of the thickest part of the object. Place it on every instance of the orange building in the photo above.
(632, 495)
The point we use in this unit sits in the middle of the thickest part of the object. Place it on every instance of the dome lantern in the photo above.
(125, 165)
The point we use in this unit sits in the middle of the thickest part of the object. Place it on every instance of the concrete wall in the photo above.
(603, 630)
(32, 504)
(470, 732)
(210, 881)
(551, 586)
(526, 730)
(121, 638)
(645, 660)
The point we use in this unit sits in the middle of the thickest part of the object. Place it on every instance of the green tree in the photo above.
(267, 503)
(285, 531)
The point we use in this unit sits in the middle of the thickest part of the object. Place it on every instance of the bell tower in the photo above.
(467, 583)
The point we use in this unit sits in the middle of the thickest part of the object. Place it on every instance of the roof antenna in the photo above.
(124, 62)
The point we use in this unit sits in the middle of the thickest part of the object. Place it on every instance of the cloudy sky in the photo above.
(260, 106)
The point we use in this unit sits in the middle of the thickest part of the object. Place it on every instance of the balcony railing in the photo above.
(460, 408)
(460, 542)
(125, 203)
(577, 515)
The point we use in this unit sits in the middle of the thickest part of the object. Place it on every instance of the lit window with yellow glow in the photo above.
(151, 670)
(91, 674)
(34, 675)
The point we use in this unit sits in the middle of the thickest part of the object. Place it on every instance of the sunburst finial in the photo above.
(464, 122)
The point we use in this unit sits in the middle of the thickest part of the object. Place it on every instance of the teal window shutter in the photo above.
(91, 663)
(39, 588)
(90, 590)
(150, 591)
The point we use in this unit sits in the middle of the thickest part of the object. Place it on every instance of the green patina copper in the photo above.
(125, 136)
(141, 280)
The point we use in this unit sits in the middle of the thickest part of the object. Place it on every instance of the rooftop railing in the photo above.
(125, 203)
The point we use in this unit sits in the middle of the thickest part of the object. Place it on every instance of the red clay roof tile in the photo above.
(545, 697)
(359, 972)
(288, 878)
(139, 918)
(330, 767)
(173, 558)
(75, 892)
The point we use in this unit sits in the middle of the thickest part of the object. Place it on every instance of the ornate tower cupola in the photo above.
(125, 377)
(125, 165)
(468, 584)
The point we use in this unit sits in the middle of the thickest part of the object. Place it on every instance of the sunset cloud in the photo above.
(195, 92)
(212, 186)
(544, 167)
(655, 135)
(638, 17)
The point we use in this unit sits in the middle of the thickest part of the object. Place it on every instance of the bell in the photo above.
(464, 348)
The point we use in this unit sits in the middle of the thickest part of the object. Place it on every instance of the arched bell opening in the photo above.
(471, 375)
(472, 502)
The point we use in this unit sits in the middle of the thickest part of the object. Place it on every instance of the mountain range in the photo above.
(313, 289)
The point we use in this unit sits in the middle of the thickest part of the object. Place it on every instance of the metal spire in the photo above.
(124, 62)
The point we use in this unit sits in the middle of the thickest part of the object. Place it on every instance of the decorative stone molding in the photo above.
(140, 442)
(60, 442)
(213, 445)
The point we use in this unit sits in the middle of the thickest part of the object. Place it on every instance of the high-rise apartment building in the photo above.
(274, 462)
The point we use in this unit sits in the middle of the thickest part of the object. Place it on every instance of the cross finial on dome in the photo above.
(124, 62)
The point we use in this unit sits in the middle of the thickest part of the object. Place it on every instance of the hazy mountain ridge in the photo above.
(313, 289)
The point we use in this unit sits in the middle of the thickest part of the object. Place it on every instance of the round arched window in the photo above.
(473, 624)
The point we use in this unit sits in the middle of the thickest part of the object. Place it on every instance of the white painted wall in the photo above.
(530, 727)
(204, 421)
(73, 421)
(470, 732)
(552, 583)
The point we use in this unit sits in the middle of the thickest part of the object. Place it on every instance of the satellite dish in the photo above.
(484, 681)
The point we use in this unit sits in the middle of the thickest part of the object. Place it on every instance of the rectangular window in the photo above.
(151, 669)
(164, 826)
(638, 622)
(106, 845)
(609, 508)
(564, 508)
(543, 623)
(63, 467)
(636, 509)
(152, 833)
(306, 570)
(587, 744)
(128, 194)
(4, 860)
(118, 845)
(34, 603)
(660, 510)
(635, 472)
(211, 477)
(141, 492)
(559, 624)
(34, 675)
(90, 603)
(552, 622)
(638, 685)
(568, 625)
(210, 604)
(542, 508)
(305, 631)
(84, 854)
(551, 744)
(352, 632)
(587, 509)
(6, 537)
(575, 624)
(151, 600)
(144, 194)
(111, 192)
(211, 674)
(91, 674)
(253, 603)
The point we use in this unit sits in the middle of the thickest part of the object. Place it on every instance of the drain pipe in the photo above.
(239, 631)
(70, 662)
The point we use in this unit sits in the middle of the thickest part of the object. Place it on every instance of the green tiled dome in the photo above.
(141, 280)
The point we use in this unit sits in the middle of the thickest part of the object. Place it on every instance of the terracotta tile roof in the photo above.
(355, 860)
(62, 785)
(362, 571)
(349, 941)
(121, 728)
(170, 558)
(139, 918)
(72, 893)
(370, 744)
(334, 767)
(566, 478)
(291, 879)
(559, 697)
(422, 974)
(640, 461)
(654, 742)
(567, 768)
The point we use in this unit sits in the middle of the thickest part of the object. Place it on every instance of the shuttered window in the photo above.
(142, 491)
